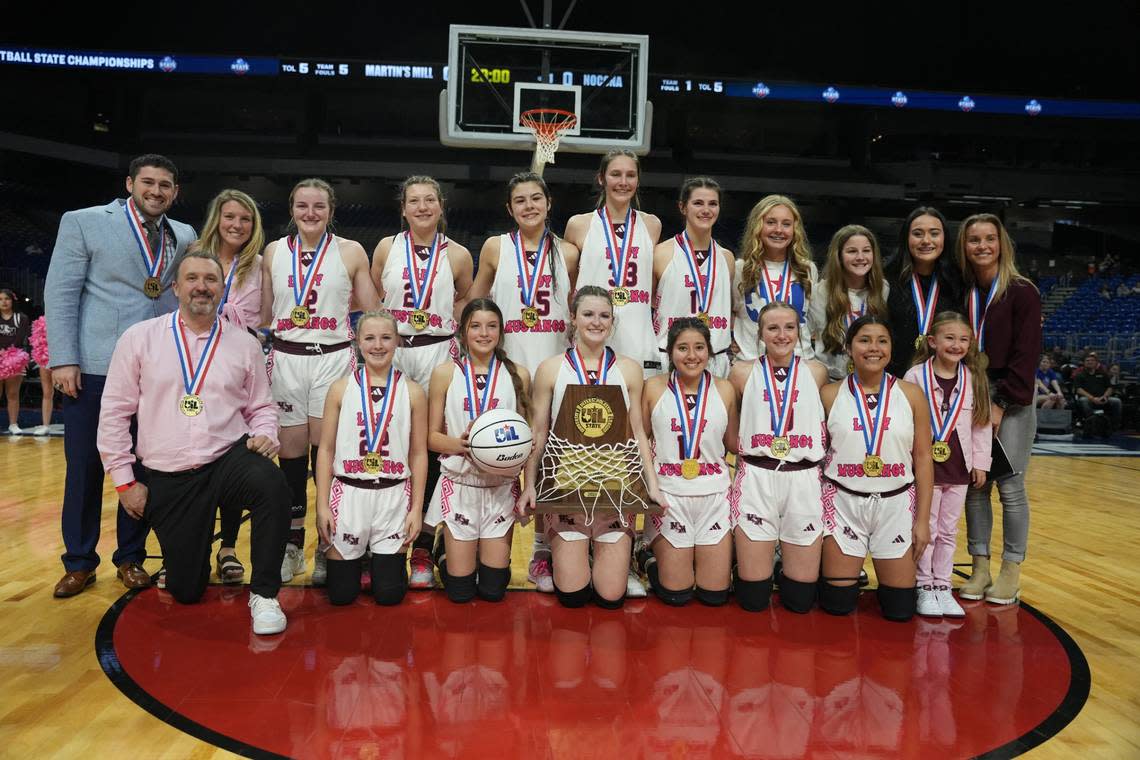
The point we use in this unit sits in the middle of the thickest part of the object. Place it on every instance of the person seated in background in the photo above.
(1048, 384)
(1114, 377)
(1094, 391)
(1105, 293)
(1136, 289)
(1122, 289)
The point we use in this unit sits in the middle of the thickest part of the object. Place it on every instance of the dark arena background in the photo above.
(860, 113)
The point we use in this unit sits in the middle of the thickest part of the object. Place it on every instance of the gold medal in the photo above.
(152, 288)
(918, 342)
(299, 316)
(619, 296)
(940, 451)
(704, 317)
(191, 405)
(530, 316)
(850, 366)
(690, 468)
(419, 319)
(372, 463)
(872, 466)
(780, 447)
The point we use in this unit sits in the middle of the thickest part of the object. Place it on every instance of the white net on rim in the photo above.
(600, 473)
(548, 126)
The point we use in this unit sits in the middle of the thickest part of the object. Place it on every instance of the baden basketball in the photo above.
(500, 441)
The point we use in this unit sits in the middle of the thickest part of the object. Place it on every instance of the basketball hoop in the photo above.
(547, 124)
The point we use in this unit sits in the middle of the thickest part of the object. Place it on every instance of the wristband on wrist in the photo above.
(125, 486)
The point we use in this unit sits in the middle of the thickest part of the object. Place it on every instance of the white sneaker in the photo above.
(540, 573)
(14, 429)
(634, 588)
(266, 615)
(928, 605)
(293, 563)
(949, 605)
(40, 430)
(320, 568)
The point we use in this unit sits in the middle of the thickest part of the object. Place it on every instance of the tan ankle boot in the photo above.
(1006, 589)
(980, 580)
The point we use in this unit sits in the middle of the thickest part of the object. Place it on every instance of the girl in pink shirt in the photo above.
(952, 375)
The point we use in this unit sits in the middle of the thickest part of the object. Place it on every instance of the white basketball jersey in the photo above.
(747, 326)
(677, 297)
(529, 346)
(567, 376)
(668, 443)
(844, 462)
(395, 280)
(456, 417)
(348, 461)
(633, 326)
(327, 301)
(806, 430)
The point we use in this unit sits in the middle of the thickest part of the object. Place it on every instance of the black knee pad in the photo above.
(460, 588)
(673, 597)
(493, 581)
(838, 600)
(389, 578)
(653, 574)
(753, 596)
(342, 584)
(797, 596)
(711, 598)
(313, 452)
(896, 603)
(609, 604)
(574, 599)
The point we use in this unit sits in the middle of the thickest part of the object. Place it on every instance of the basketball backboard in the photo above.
(495, 74)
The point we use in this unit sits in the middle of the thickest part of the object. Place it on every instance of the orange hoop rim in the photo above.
(535, 119)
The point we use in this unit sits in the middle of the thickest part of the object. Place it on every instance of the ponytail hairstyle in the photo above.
(697, 183)
(211, 238)
(384, 316)
(423, 179)
(555, 248)
(1007, 268)
(681, 325)
(835, 286)
(522, 400)
(775, 306)
(607, 159)
(860, 323)
(319, 184)
(975, 361)
(752, 248)
(581, 293)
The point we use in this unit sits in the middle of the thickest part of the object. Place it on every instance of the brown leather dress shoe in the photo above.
(133, 576)
(74, 582)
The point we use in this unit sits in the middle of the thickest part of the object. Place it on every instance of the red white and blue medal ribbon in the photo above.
(530, 279)
(152, 260)
(924, 307)
(872, 433)
(193, 378)
(618, 254)
(780, 405)
(421, 289)
(703, 288)
(942, 425)
(302, 287)
(978, 312)
(579, 366)
(782, 290)
(476, 405)
(229, 283)
(375, 425)
(853, 315)
(690, 426)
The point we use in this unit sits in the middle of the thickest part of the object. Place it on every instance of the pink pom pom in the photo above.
(13, 362)
(39, 342)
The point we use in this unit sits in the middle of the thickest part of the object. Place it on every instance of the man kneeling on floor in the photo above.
(207, 432)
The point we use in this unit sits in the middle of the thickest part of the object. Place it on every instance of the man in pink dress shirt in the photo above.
(207, 432)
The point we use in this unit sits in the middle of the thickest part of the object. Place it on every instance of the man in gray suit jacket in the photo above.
(112, 267)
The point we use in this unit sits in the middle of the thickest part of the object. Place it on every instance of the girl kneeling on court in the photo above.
(475, 507)
(878, 476)
(692, 420)
(776, 494)
(588, 361)
(952, 375)
(371, 468)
